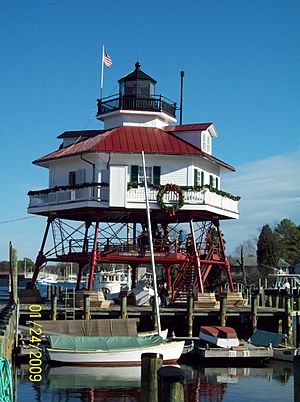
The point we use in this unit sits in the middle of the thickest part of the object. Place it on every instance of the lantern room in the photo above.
(136, 103)
(137, 84)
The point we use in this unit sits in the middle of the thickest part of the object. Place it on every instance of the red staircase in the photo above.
(186, 277)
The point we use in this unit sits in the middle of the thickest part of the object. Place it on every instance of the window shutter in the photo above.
(217, 183)
(211, 180)
(195, 177)
(156, 175)
(202, 178)
(134, 173)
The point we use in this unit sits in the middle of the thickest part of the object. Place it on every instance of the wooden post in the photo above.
(14, 275)
(297, 329)
(154, 317)
(54, 307)
(223, 305)
(269, 301)
(87, 307)
(170, 384)
(151, 362)
(297, 380)
(287, 318)
(190, 308)
(124, 307)
(254, 312)
(276, 299)
(48, 292)
(298, 299)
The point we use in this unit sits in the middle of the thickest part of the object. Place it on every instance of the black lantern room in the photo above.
(137, 83)
(136, 92)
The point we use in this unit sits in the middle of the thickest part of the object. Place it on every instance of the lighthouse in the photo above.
(95, 202)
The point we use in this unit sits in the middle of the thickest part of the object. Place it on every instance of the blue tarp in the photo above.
(265, 338)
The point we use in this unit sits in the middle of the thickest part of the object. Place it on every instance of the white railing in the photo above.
(191, 197)
(134, 195)
(91, 193)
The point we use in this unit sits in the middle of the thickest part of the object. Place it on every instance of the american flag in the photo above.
(107, 60)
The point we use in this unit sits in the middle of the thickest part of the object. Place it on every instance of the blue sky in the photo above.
(242, 63)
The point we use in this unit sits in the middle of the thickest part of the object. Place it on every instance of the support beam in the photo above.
(168, 277)
(94, 257)
(40, 259)
(227, 265)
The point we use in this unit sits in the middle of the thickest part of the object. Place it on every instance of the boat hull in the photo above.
(171, 352)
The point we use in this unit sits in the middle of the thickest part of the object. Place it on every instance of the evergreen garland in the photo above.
(68, 187)
(189, 188)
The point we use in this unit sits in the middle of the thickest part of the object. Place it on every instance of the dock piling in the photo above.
(124, 307)
(14, 275)
(54, 307)
(170, 384)
(87, 307)
(154, 316)
(223, 306)
(287, 318)
(190, 314)
(151, 362)
(254, 312)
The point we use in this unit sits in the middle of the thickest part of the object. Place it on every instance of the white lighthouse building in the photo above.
(96, 181)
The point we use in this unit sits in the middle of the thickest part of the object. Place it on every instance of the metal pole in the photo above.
(181, 95)
(151, 248)
(102, 73)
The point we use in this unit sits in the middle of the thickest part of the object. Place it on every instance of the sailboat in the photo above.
(116, 350)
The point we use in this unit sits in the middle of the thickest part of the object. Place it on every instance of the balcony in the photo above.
(154, 103)
(99, 196)
(45, 198)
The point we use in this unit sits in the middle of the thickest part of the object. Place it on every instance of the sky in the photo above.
(242, 65)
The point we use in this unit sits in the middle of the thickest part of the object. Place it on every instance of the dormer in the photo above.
(72, 137)
(200, 135)
(136, 104)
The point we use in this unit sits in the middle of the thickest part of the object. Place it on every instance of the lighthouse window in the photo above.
(214, 181)
(198, 177)
(148, 174)
(206, 143)
(76, 177)
(152, 174)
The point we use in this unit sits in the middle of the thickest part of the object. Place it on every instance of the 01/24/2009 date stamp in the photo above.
(35, 355)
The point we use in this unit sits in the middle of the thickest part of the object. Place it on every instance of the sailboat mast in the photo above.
(151, 248)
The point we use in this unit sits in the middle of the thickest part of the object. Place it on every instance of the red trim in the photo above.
(107, 364)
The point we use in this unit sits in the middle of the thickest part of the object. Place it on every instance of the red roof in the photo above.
(131, 139)
(189, 127)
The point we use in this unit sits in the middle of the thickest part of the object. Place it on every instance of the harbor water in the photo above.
(274, 383)
(104, 384)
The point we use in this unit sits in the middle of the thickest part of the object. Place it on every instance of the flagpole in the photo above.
(102, 72)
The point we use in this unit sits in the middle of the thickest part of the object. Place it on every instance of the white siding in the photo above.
(174, 169)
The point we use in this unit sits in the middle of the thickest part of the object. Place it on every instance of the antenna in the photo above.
(181, 95)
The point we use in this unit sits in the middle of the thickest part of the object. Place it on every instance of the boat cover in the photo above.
(100, 327)
(107, 343)
(265, 338)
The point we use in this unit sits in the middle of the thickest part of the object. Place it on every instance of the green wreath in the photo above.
(170, 209)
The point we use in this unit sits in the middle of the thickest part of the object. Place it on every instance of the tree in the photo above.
(267, 250)
(288, 235)
(26, 262)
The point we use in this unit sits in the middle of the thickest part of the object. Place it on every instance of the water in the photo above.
(96, 384)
